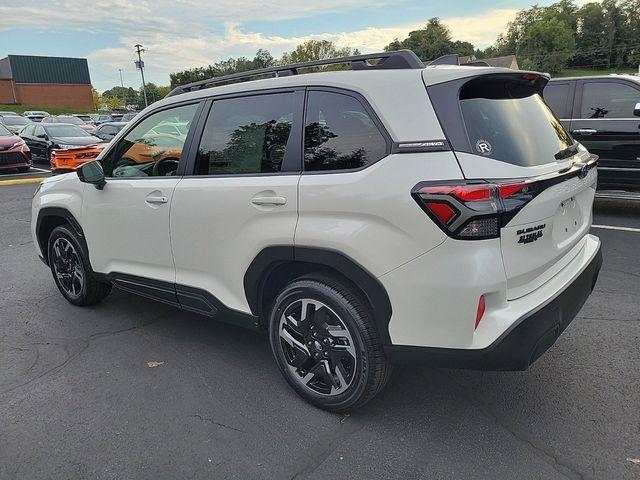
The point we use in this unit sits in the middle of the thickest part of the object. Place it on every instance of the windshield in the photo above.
(15, 120)
(66, 131)
(4, 131)
(73, 120)
(509, 121)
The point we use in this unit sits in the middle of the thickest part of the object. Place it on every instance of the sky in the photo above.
(181, 34)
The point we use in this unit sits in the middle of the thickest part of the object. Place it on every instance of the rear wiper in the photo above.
(567, 152)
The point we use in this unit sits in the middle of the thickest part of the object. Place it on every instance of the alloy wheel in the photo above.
(67, 267)
(318, 348)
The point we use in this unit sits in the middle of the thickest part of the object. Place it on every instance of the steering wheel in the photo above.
(164, 166)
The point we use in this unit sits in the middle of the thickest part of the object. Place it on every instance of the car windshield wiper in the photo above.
(567, 152)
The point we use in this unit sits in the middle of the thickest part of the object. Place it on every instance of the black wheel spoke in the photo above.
(67, 267)
(317, 347)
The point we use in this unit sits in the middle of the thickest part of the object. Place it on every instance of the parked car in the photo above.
(102, 118)
(86, 118)
(89, 127)
(6, 112)
(603, 113)
(346, 214)
(106, 131)
(69, 159)
(127, 117)
(15, 123)
(43, 138)
(14, 153)
(35, 115)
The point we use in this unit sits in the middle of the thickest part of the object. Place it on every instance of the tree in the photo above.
(591, 38)
(316, 50)
(262, 59)
(431, 42)
(128, 95)
(546, 45)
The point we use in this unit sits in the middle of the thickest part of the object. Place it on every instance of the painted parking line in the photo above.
(33, 171)
(613, 227)
(18, 181)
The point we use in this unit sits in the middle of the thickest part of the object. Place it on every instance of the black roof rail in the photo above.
(399, 59)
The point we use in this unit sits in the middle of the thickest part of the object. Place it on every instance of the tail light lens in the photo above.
(480, 311)
(474, 210)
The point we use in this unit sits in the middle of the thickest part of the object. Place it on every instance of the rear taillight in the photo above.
(474, 210)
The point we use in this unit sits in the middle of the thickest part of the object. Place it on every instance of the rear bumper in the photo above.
(522, 344)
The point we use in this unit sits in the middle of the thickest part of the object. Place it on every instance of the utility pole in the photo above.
(140, 65)
(124, 100)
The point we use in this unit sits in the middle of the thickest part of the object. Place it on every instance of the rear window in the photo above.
(507, 120)
(64, 131)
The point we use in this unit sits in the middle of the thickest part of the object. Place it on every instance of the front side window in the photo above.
(144, 153)
(339, 134)
(246, 135)
(608, 100)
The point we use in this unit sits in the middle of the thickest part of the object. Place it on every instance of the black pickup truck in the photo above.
(603, 113)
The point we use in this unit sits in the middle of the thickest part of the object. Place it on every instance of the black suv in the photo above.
(603, 113)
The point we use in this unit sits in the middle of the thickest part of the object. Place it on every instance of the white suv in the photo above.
(356, 216)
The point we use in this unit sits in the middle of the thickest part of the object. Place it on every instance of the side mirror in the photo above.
(636, 110)
(92, 172)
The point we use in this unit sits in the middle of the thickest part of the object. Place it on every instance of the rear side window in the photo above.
(507, 120)
(608, 100)
(339, 133)
(557, 97)
(246, 135)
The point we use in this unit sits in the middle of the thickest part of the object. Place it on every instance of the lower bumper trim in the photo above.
(521, 345)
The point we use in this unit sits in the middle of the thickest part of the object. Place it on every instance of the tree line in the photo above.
(122, 97)
(596, 35)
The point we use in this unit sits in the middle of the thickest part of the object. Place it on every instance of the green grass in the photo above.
(52, 110)
(587, 73)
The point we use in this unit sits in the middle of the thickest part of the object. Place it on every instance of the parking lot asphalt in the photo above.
(79, 400)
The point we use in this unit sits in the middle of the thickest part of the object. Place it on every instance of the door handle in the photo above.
(584, 131)
(159, 199)
(269, 200)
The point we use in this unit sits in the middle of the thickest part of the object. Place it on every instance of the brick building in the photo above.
(45, 82)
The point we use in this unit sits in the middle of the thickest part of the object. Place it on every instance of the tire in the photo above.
(331, 355)
(71, 270)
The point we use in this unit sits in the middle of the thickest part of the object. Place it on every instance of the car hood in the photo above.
(76, 140)
(9, 141)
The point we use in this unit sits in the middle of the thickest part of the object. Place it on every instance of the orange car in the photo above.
(153, 147)
(67, 160)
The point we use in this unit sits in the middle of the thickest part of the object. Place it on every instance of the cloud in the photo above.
(207, 31)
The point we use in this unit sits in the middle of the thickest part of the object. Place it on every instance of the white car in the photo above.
(357, 217)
